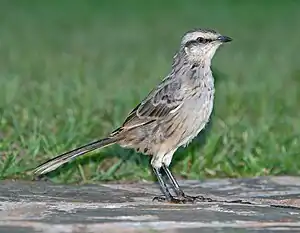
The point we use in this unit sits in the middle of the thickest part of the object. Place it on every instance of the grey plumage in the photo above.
(171, 115)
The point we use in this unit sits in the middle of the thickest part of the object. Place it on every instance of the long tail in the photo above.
(56, 162)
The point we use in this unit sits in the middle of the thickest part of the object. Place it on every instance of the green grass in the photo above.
(70, 71)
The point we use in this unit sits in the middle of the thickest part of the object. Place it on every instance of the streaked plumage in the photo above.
(171, 115)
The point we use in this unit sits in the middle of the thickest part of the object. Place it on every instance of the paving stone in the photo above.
(264, 204)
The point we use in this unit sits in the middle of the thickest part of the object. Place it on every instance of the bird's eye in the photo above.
(202, 40)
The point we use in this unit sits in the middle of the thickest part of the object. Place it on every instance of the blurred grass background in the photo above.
(70, 71)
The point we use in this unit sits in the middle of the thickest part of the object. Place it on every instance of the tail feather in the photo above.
(56, 162)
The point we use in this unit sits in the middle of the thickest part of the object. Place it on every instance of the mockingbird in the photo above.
(170, 116)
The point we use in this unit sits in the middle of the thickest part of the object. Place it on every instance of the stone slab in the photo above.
(264, 204)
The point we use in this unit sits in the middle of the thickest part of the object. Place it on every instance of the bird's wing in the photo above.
(165, 99)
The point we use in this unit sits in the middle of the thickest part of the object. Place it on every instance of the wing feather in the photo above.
(160, 102)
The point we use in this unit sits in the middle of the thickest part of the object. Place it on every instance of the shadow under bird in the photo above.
(170, 116)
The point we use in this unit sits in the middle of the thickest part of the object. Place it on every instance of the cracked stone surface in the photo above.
(270, 204)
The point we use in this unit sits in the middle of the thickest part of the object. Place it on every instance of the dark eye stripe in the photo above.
(203, 40)
(200, 40)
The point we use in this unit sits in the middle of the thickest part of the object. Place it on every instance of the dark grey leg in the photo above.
(162, 185)
(167, 195)
(174, 182)
(180, 194)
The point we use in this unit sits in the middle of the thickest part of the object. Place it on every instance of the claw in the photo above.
(173, 200)
(159, 199)
(200, 198)
(184, 200)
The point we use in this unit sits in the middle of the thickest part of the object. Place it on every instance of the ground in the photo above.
(71, 71)
(257, 205)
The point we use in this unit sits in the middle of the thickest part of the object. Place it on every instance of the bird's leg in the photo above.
(179, 192)
(167, 195)
(163, 186)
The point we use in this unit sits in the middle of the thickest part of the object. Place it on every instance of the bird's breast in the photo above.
(196, 113)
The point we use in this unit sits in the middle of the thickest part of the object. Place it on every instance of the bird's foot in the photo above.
(194, 199)
(171, 200)
(183, 200)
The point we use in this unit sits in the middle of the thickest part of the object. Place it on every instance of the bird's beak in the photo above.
(224, 39)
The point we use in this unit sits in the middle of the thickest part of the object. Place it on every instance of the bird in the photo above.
(169, 117)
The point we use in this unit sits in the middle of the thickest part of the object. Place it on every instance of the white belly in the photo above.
(199, 112)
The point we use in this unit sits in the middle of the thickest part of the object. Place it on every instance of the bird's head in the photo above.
(200, 45)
